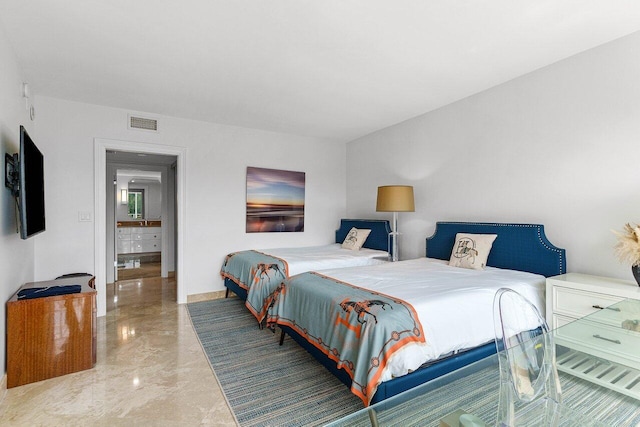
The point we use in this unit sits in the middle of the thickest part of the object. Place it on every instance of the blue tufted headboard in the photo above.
(379, 237)
(521, 247)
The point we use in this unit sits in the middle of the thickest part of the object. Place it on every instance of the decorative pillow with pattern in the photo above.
(471, 250)
(355, 238)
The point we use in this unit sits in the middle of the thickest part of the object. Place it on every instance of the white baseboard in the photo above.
(206, 296)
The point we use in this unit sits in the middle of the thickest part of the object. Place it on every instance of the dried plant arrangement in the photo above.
(628, 246)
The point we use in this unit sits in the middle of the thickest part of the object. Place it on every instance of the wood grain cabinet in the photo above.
(51, 336)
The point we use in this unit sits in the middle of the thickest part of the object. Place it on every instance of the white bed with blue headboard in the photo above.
(520, 254)
(254, 274)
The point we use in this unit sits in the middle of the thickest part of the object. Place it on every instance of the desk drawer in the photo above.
(610, 343)
(124, 246)
(559, 320)
(146, 246)
(577, 303)
(146, 236)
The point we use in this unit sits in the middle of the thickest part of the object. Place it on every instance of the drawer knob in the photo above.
(607, 308)
(607, 339)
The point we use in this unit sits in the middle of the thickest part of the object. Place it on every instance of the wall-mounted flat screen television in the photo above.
(31, 187)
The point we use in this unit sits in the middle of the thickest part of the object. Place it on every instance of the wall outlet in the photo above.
(84, 216)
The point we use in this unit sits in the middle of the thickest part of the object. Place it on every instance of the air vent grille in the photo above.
(143, 123)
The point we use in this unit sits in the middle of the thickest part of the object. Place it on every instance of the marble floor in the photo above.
(145, 269)
(151, 371)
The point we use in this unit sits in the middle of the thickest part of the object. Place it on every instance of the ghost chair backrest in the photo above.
(526, 354)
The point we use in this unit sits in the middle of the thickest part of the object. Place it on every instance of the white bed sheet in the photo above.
(313, 258)
(454, 305)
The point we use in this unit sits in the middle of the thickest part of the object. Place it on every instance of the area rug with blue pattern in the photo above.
(266, 384)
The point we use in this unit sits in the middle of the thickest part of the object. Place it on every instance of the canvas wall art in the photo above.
(275, 200)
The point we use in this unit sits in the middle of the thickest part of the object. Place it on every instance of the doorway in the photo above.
(139, 218)
(138, 156)
(140, 206)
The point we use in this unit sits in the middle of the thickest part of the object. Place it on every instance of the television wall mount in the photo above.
(12, 173)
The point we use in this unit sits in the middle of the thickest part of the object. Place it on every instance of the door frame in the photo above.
(101, 146)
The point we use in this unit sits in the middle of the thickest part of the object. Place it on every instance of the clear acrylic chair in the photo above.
(530, 392)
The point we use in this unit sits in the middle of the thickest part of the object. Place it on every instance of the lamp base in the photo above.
(393, 244)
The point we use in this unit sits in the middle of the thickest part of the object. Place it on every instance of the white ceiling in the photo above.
(336, 69)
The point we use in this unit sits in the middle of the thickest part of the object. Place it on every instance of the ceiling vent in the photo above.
(143, 123)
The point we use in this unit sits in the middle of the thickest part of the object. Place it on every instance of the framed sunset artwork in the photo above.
(275, 200)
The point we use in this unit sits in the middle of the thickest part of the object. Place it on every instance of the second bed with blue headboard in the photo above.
(254, 274)
(449, 320)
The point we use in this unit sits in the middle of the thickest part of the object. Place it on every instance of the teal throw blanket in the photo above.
(259, 274)
(357, 328)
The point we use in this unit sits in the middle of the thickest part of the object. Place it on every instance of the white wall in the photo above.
(152, 200)
(122, 209)
(558, 146)
(216, 161)
(16, 255)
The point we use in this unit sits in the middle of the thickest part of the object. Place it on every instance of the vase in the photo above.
(635, 269)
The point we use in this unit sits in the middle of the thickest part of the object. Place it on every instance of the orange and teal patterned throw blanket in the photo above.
(259, 274)
(357, 328)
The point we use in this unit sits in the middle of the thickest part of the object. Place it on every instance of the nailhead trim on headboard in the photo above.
(541, 264)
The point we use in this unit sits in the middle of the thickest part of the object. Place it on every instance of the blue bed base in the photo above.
(378, 239)
(235, 288)
(521, 247)
(405, 382)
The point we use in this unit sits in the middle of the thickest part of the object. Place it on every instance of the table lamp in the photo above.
(395, 198)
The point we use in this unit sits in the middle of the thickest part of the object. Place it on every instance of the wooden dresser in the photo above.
(51, 336)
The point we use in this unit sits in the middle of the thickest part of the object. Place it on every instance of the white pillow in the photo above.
(355, 238)
(471, 250)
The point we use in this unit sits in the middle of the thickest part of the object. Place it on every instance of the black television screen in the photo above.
(31, 190)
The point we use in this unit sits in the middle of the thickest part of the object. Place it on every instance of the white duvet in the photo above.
(314, 258)
(454, 305)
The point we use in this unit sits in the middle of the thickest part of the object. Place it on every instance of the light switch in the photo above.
(84, 216)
